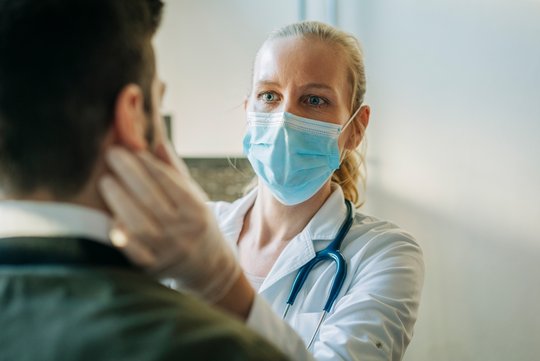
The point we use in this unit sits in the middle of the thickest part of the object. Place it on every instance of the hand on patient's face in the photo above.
(165, 224)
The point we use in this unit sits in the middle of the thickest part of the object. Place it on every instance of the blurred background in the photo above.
(453, 143)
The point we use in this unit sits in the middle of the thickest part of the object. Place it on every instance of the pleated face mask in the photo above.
(291, 155)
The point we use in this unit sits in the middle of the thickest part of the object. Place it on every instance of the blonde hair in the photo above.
(352, 171)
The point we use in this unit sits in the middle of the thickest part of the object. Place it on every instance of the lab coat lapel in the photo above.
(297, 253)
(322, 228)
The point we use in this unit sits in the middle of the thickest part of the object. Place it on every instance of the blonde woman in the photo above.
(305, 120)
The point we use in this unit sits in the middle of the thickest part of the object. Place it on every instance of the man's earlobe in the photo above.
(130, 118)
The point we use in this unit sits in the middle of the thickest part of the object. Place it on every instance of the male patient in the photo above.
(77, 77)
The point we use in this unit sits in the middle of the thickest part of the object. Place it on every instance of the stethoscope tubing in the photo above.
(331, 252)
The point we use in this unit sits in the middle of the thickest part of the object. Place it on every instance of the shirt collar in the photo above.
(29, 218)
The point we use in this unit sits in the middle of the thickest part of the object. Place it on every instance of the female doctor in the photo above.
(305, 120)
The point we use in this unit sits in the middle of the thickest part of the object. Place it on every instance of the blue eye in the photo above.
(315, 100)
(268, 97)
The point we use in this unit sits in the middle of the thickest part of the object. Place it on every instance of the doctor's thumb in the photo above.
(166, 153)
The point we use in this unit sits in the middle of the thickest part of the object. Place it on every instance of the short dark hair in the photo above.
(63, 64)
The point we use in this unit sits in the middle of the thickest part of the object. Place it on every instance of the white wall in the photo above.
(205, 50)
(456, 88)
(455, 149)
(454, 143)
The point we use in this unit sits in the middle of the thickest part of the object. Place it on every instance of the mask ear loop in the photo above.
(351, 118)
(341, 156)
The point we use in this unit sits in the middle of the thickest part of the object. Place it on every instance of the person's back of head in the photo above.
(76, 78)
(63, 64)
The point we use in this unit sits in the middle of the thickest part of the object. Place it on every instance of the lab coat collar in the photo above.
(326, 222)
(318, 233)
(232, 221)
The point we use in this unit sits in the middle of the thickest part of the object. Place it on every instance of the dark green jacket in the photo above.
(75, 299)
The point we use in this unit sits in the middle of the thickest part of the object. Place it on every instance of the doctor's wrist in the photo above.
(238, 301)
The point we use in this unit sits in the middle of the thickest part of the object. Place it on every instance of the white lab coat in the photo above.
(374, 314)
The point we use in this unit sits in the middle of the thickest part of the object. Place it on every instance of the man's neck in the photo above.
(89, 195)
(82, 200)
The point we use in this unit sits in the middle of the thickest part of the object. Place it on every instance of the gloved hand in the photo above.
(164, 224)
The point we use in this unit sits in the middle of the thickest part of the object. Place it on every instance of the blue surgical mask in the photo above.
(293, 156)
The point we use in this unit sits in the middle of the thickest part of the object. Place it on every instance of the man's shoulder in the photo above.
(113, 313)
(195, 328)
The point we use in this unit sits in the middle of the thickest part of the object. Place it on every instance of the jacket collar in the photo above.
(67, 251)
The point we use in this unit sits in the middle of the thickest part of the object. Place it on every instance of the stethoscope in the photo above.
(329, 253)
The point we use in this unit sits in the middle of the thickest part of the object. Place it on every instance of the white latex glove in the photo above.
(164, 224)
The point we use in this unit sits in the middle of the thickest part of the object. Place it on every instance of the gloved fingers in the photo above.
(165, 152)
(183, 191)
(188, 245)
(140, 184)
(155, 262)
(129, 213)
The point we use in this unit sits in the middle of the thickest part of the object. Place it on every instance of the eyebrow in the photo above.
(305, 86)
(317, 86)
(266, 82)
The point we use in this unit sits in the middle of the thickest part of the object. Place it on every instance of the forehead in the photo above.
(302, 60)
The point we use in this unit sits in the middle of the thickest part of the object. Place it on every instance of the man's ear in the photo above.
(130, 120)
(359, 126)
(246, 99)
